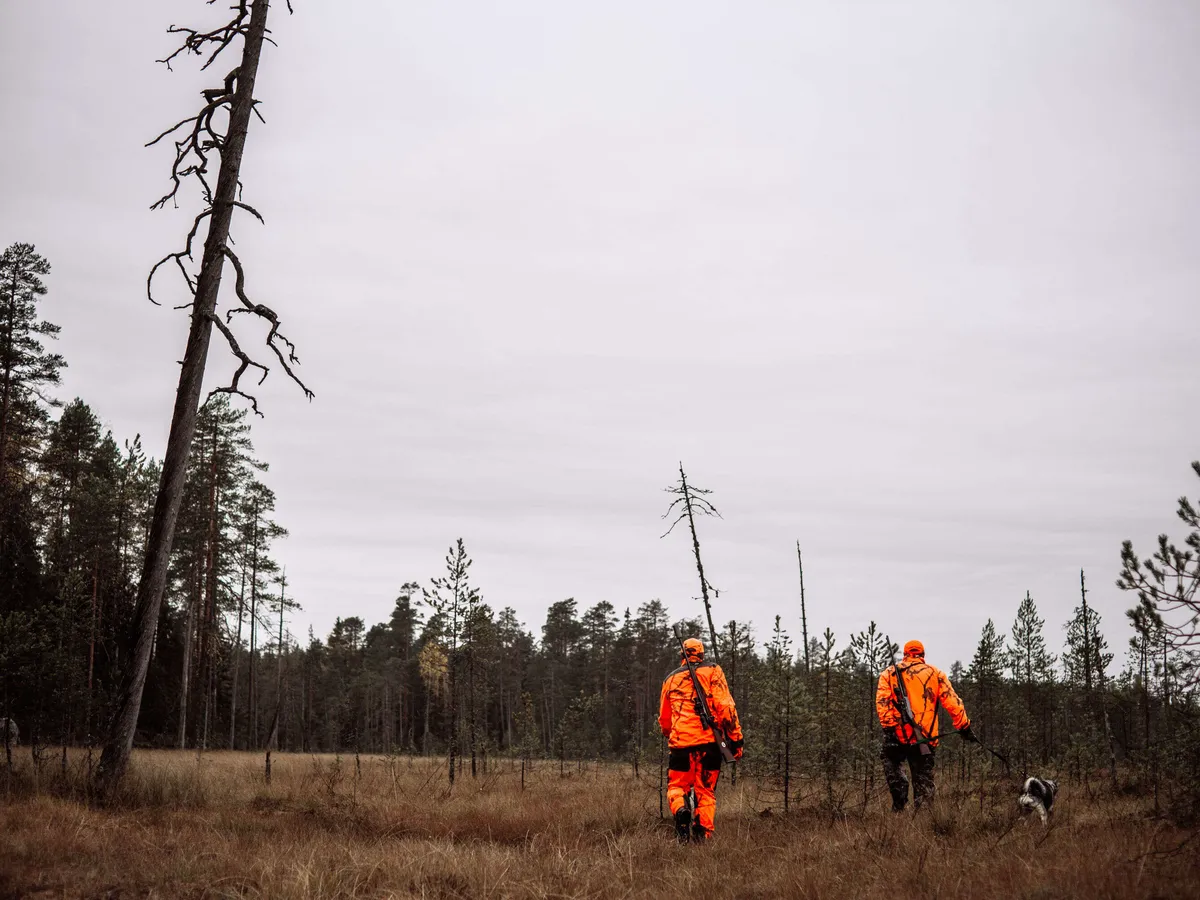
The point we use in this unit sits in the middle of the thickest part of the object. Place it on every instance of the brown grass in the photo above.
(212, 828)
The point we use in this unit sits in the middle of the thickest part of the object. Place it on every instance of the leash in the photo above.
(1007, 767)
(982, 746)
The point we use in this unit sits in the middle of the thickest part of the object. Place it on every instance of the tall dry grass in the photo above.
(331, 827)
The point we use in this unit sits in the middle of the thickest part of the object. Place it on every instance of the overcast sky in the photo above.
(912, 283)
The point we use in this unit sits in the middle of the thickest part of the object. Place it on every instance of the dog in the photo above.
(1037, 796)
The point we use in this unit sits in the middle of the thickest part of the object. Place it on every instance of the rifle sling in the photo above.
(903, 705)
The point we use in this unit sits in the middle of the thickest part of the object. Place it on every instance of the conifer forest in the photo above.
(866, 273)
(447, 675)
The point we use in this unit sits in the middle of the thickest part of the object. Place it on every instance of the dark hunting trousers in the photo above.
(895, 755)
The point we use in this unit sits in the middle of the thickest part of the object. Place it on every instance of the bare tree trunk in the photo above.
(471, 705)
(208, 622)
(119, 746)
(92, 647)
(237, 657)
(425, 735)
(185, 673)
(251, 690)
(803, 611)
(252, 675)
(453, 716)
(279, 665)
(687, 502)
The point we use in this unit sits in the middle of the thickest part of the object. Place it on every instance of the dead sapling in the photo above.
(689, 503)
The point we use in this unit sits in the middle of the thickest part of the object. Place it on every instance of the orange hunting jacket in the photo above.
(677, 714)
(927, 688)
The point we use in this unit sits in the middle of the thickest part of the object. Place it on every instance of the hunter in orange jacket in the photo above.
(926, 688)
(695, 759)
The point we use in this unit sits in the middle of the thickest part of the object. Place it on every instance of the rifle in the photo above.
(706, 716)
(909, 718)
(906, 711)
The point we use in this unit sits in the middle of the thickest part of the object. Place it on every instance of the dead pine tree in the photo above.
(197, 139)
(690, 502)
(803, 611)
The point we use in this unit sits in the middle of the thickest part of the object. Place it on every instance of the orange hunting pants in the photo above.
(698, 768)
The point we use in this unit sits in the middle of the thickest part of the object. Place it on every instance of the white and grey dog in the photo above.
(1037, 796)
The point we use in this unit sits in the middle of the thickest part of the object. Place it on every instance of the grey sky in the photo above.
(913, 283)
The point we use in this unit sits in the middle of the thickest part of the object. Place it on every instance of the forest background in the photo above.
(446, 673)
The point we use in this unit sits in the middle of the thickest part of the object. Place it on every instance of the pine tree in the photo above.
(1167, 587)
(780, 696)
(986, 674)
(1032, 668)
(452, 598)
(255, 533)
(872, 650)
(26, 370)
(71, 495)
(1028, 658)
(1085, 657)
(600, 634)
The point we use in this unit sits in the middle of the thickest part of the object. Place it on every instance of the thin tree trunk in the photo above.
(92, 646)
(471, 705)
(687, 502)
(237, 657)
(453, 716)
(208, 621)
(425, 736)
(119, 746)
(803, 611)
(279, 667)
(252, 692)
(186, 671)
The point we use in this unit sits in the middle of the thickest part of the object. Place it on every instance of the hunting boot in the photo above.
(700, 834)
(683, 821)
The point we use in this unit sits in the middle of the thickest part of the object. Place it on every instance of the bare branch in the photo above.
(197, 42)
(265, 312)
(244, 363)
(196, 137)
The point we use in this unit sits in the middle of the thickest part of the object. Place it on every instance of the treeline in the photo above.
(448, 674)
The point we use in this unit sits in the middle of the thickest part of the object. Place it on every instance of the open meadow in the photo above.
(338, 827)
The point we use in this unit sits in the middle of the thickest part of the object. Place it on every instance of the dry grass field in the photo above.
(326, 827)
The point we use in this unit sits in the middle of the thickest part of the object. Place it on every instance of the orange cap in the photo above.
(914, 648)
(693, 648)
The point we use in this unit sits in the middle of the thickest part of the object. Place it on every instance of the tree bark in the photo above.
(119, 746)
